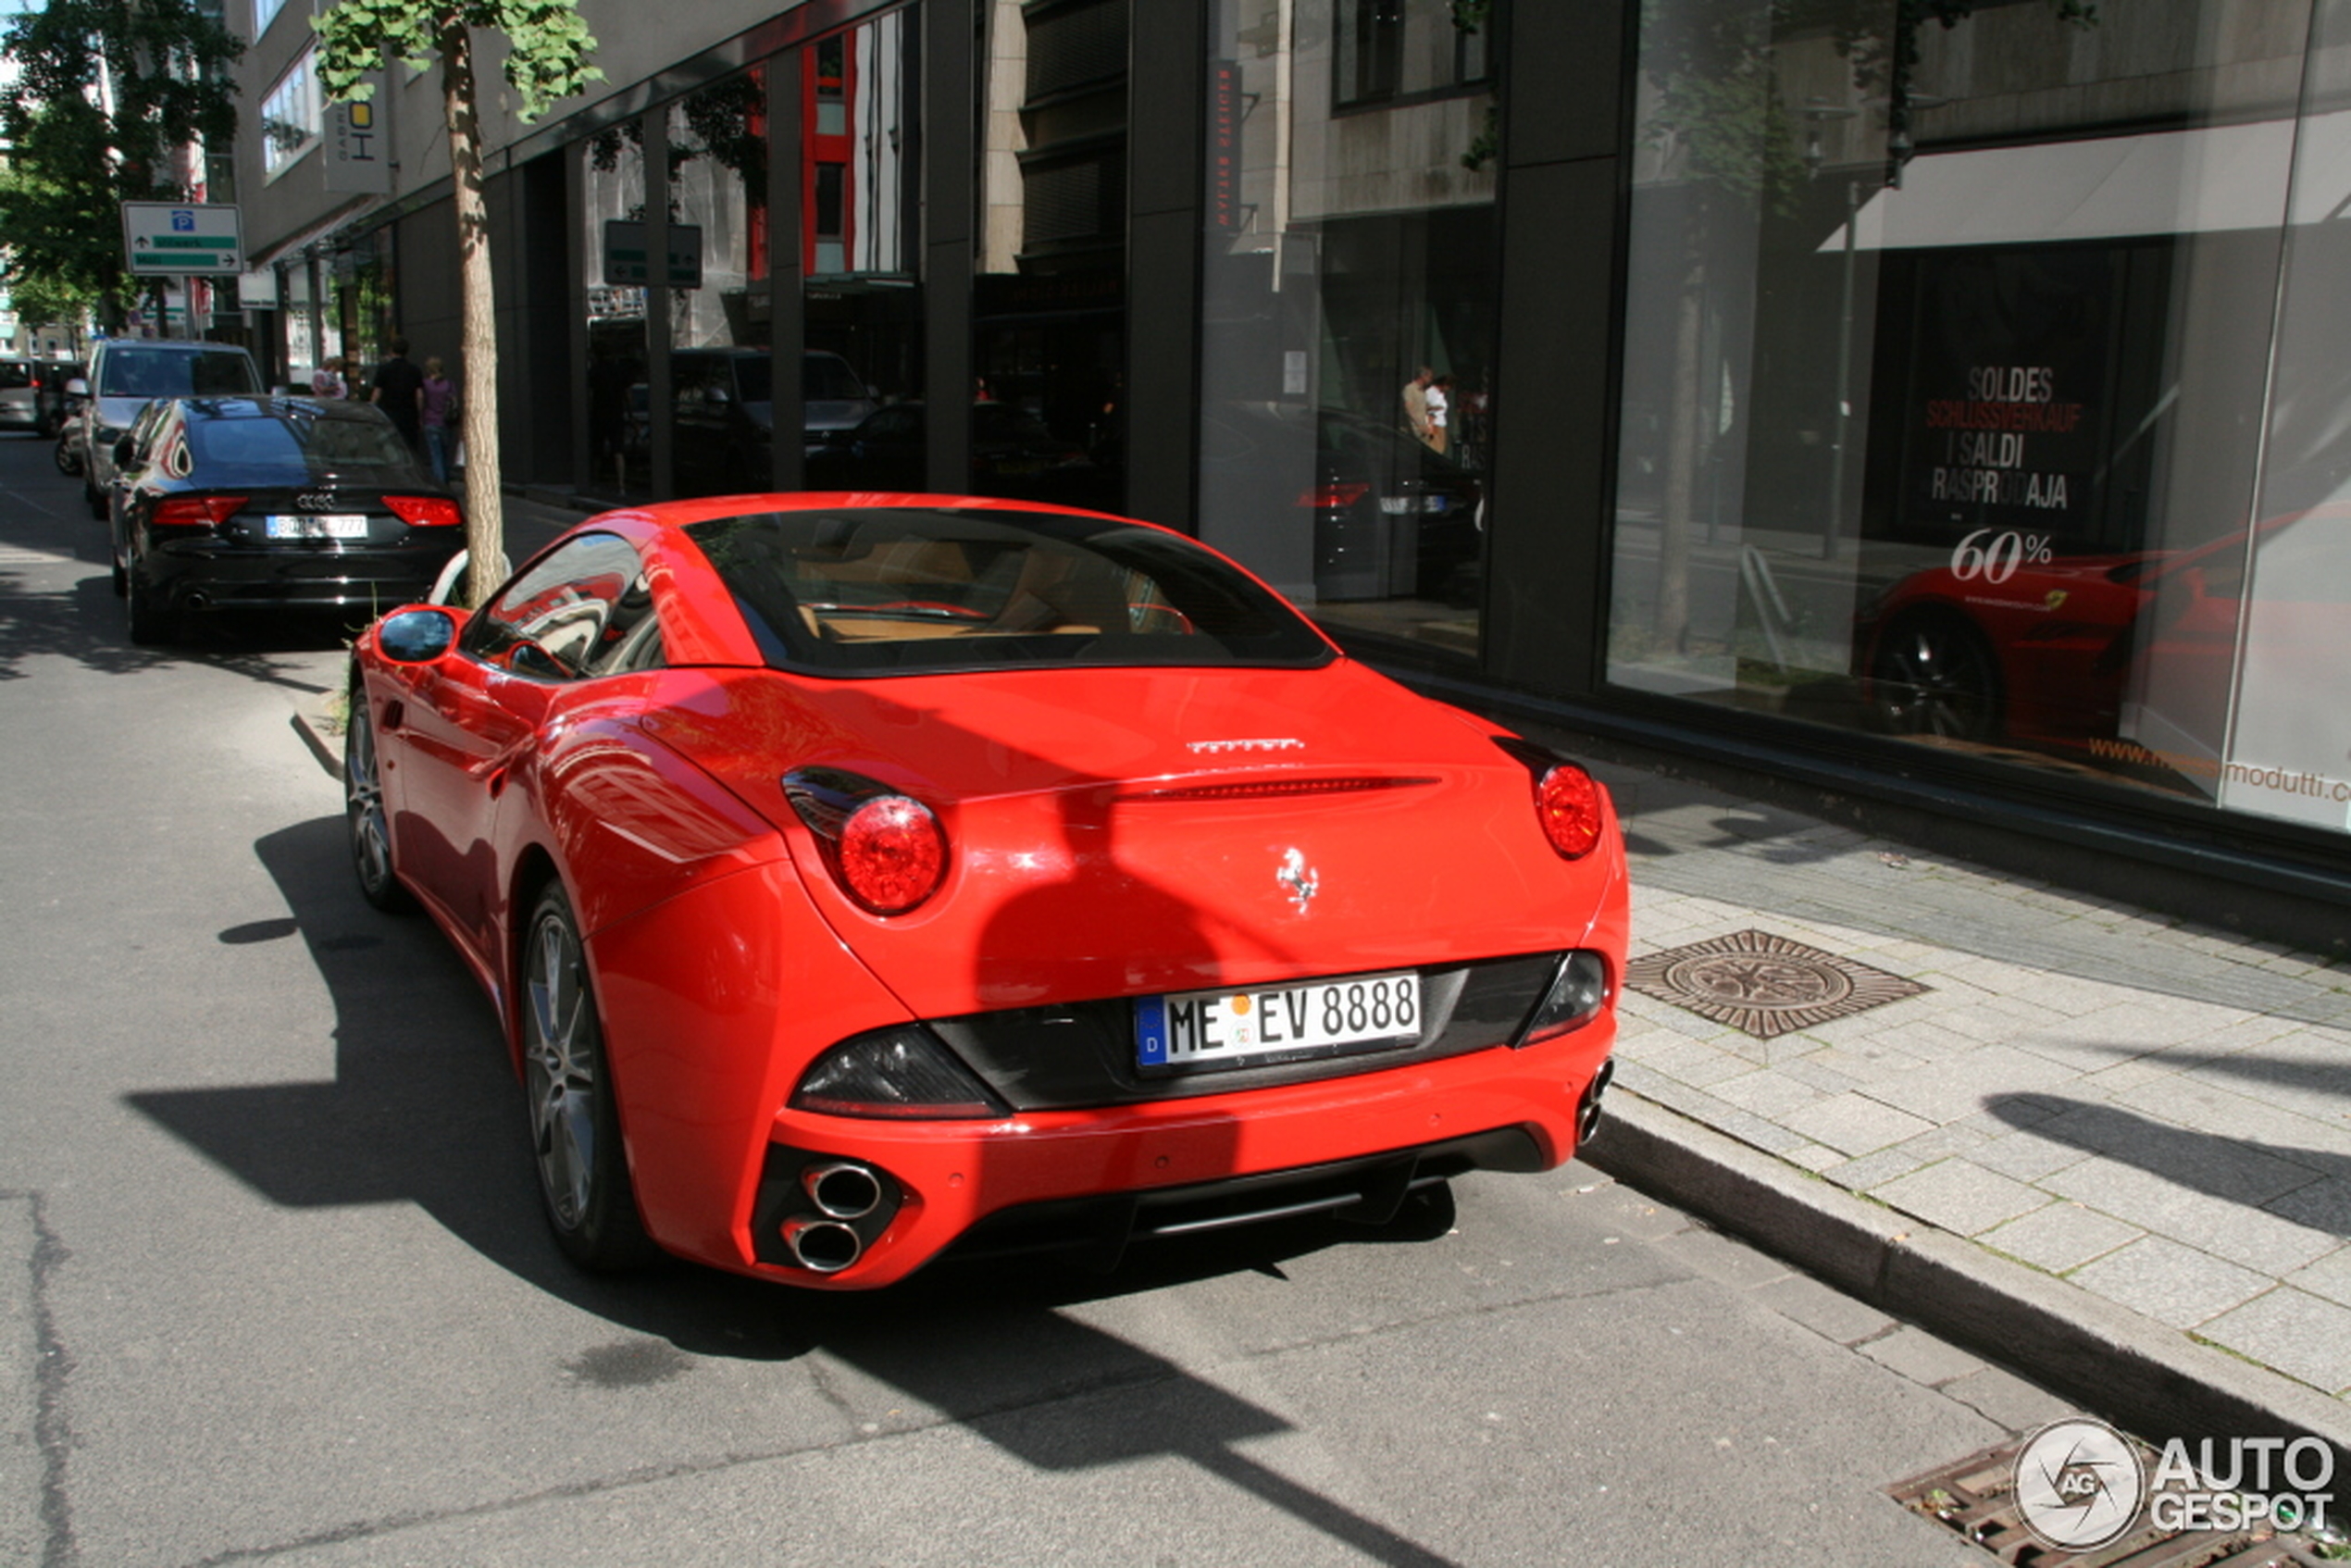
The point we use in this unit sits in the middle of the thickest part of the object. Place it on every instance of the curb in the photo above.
(2142, 1376)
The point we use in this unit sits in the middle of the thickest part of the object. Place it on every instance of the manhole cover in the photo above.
(1763, 985)
(1976, 1497)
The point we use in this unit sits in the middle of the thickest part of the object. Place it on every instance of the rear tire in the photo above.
(150, 623)
(575, 1113)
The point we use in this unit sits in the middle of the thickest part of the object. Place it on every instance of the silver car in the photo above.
(125, 374)
(20, 394)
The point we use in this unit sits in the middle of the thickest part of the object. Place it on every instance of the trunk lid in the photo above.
(1123, 832)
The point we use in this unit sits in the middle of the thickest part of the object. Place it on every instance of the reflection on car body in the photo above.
(861, 881)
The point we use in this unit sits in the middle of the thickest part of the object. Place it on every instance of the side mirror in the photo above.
(124, 453)
(415, 637)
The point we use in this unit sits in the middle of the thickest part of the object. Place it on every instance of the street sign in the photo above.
(625, 254)
(165, 239)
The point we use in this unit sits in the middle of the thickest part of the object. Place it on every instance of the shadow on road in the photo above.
(423, 1109)
(86, 625)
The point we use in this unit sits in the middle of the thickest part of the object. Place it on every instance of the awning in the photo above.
(2204, 181)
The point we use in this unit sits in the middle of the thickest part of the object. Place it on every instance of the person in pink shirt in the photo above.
(437, 410)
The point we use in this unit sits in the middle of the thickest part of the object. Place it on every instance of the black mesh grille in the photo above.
(1064, 1057)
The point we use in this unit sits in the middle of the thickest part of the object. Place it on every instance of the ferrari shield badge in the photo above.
(1298, 878)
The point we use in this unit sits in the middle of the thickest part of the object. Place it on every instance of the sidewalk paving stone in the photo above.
(1856, 1124)
(2330, 1277)
(2301, 1335)
(2061, 1236)
(2155, 1109)
(1959, 1196)
(2174, 1284)
(2216, 1225)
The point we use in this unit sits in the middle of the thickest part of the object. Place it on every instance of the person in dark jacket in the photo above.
(400, 391)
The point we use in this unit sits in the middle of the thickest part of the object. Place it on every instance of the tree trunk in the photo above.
(1685, 442)
(477, 305)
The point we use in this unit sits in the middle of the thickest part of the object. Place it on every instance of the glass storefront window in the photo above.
(1048, 306)
(860, 297)
(1348, 340)
(722, 406)
(1971, 379)
(612, 215)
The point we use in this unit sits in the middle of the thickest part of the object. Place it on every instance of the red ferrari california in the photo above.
(863, 878)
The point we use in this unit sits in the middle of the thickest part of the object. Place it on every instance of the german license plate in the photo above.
(1201, 1031)
(318, 525)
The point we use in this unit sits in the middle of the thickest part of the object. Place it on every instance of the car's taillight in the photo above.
(886, 849)
(196, 511)
(425, 511)
(1568, 801)
(1334, 497)
(892, 853)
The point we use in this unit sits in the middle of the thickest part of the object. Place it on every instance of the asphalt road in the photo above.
(273, 1287)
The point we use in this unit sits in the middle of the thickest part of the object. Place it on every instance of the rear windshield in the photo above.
(293, 436)
(824, 379)
(131, 372)
(15, 373)
(857, 591)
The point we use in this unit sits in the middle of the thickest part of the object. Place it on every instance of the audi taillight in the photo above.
(1568, 803)
(196, 511)
(886, 849)
(425, 511)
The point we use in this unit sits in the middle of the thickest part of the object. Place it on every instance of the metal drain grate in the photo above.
(1764, 984)
(1976, 1497)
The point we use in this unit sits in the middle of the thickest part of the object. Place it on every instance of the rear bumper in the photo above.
(1089, 1182)
(199, 578)
(709, 1037)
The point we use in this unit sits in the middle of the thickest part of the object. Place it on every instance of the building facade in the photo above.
(1953, 410)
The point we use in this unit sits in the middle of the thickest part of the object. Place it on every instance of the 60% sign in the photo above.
(1997, 561)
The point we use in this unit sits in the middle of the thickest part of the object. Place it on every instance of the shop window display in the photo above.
(1955, 413)
(1349, 273)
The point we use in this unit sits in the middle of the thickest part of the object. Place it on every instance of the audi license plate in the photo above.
(1202, 1032)
(318, 525)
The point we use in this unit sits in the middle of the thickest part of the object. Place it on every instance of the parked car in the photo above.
(243, 504)
(1013, 453)
(127, 373)
(858, 883)
(1391, 519)
(20, 394)
(52, 378)
(723, 413)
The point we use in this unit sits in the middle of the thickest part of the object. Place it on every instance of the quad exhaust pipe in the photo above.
(822, 1246)
(842, 1189)
(1588, 1114)
(843, 1192)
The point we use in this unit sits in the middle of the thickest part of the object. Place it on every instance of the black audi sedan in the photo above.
(272, 504)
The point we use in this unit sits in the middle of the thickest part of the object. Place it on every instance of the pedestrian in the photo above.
(400, 393)
(1416, 403)
(327, 380)
(438, 412)
(1438, 403)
